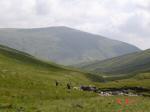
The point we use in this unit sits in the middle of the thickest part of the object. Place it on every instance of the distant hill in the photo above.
(63, 45)
(131, 63)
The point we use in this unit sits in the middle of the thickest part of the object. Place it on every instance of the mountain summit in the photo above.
(64, 45)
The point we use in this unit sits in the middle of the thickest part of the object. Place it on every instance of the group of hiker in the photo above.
(84, 88)
(68, 85)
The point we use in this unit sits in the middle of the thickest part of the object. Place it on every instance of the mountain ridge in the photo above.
(63, 45)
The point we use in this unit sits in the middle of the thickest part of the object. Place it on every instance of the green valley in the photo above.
(28, 85)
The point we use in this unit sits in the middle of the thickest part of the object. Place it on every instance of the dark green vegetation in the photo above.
(28, 85)
(127, 64)
(64, 45)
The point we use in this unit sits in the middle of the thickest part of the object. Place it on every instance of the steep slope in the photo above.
(131, 63)
(19, 63)
(63, 45)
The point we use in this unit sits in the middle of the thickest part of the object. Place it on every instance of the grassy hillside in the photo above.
(28, 85)
(63, 45)
(28, 80)
(131, 63)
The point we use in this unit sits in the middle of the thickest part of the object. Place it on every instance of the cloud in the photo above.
(125, 20)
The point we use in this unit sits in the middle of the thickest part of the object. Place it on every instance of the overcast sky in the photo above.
(125, 20)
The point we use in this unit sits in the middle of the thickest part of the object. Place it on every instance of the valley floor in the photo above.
(80, 104)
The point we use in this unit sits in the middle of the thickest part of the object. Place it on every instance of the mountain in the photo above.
(130, 63)
(63, 45)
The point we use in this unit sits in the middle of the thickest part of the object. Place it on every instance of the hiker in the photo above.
(68, 86)
(56, 83)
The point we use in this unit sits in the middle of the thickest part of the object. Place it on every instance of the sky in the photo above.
(124, 20)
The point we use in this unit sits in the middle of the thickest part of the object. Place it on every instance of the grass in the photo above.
(130, 82)
(28, 85)
(130, 63)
